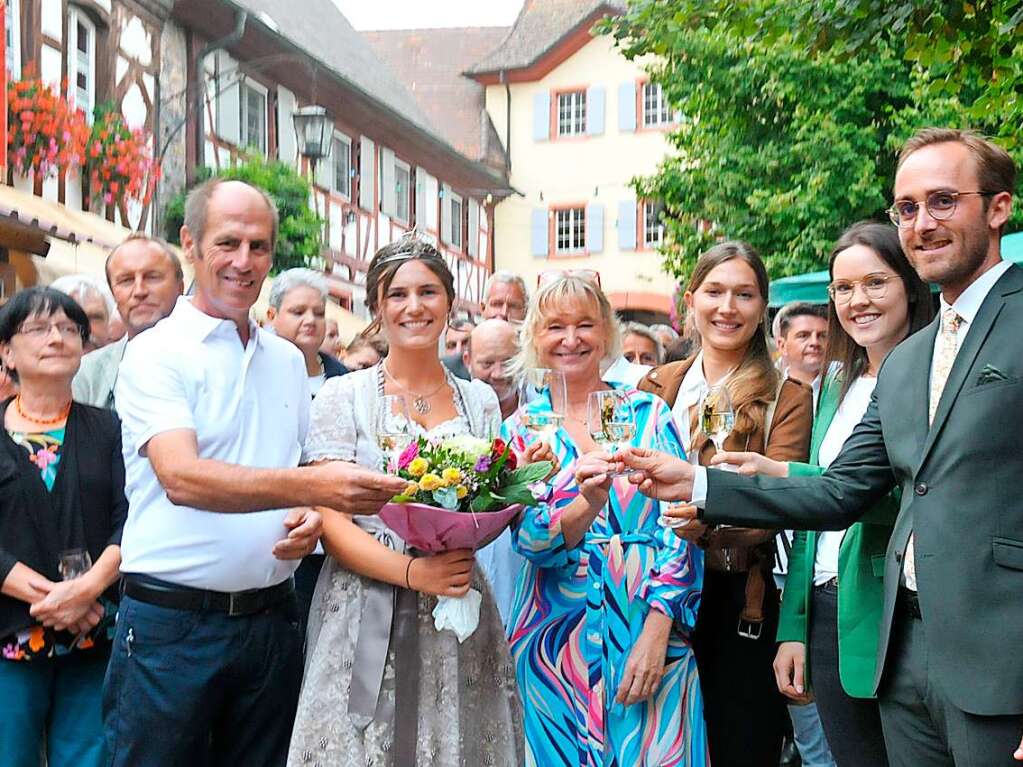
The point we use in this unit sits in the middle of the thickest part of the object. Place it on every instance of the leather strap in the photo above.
(234, 603)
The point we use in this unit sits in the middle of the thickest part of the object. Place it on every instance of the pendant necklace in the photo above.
(420, 402)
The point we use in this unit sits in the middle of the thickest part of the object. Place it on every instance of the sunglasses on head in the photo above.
(549, 275)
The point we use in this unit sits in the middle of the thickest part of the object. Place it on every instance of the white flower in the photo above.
(471, 447)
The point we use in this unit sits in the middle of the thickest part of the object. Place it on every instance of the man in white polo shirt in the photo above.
(207, 659)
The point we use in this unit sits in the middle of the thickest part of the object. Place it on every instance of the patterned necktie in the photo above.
(944, 357)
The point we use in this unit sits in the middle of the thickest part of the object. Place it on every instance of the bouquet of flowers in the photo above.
(462, 492)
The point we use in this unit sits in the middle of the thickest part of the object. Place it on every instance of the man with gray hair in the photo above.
(505, 297)
(145, 278)
(96, 302)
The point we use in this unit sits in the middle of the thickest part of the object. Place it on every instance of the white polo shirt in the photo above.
(248, 406)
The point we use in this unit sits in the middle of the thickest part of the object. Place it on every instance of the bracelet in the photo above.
(408, 570)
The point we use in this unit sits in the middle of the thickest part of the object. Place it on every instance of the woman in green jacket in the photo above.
(834, 591)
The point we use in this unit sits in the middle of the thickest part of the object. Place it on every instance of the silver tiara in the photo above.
(409, 249)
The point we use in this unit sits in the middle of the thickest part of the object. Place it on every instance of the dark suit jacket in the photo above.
(86, 508)
(960, 483)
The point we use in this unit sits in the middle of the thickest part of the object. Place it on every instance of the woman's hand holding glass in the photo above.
(593, 474)
(393, 428)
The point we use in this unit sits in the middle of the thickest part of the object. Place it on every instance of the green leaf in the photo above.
(532, 472)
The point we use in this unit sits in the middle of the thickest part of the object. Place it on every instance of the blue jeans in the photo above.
(58, 697)
(202, 688)
(809, 734)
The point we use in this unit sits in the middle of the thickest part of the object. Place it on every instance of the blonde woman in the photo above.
(607, 599)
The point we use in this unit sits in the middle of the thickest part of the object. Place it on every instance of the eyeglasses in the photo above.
(875, 286)
(940, 206)
(549, 275)
(40, 330)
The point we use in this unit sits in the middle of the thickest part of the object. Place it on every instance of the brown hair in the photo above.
(884, 241)
(996, 171)
(754, 384)
(386, 263)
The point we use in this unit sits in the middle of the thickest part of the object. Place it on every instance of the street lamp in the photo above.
(315, 132)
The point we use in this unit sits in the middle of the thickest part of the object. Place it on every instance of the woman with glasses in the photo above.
(726, 304)
(607, 598)
(828, 631)
(62, 507)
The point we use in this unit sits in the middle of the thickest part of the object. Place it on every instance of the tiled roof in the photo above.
(541, 24)
(430, 63)
(319, 28)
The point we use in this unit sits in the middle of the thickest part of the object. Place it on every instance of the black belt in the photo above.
(829, 585)
(910, 602)
(163, 594)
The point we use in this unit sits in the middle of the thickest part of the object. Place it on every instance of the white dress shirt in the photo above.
(849, 414)
(691, 391)
(248, 405)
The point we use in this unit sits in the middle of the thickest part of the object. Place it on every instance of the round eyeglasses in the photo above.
(940, 206)
(875, 286)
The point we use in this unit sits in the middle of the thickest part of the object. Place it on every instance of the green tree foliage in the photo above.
(298, 241)
(782, 146)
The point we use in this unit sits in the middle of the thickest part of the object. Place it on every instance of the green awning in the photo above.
(813, 286)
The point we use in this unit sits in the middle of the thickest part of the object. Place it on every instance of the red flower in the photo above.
(512, 460)
(498, 448)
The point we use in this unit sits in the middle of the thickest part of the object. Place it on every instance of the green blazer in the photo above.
(860, 570)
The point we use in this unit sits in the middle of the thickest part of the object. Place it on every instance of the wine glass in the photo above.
(665, 443)
(393, 428)
(610, 420)
(537, 384)
(717, 417)
(74, 563)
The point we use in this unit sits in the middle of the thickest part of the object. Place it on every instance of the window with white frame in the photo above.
(655, 106)
(653, 226)
(252, 99)
(81, 60)
(570, 231)
(12, 12)
(341, 160)
(456, 221)
(572, 113)
(402, 187)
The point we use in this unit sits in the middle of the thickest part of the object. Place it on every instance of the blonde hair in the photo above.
(553, 295)
(754, 384)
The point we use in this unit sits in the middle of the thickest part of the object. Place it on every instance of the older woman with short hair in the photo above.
(298, 312)
(61, 499)
(608, 597)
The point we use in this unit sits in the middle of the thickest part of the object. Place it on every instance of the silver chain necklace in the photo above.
(420, 402)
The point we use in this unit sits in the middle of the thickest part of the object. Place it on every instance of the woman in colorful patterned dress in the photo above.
(605, 605)
(61, 489)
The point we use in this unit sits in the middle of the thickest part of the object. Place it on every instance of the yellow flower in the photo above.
(451, 477)
(461, 491)
(410, 489)
(430, 482)
(418, 466)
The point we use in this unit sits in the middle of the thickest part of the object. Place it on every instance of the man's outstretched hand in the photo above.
(658, 475)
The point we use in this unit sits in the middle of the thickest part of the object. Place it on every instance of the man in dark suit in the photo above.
(944, 424)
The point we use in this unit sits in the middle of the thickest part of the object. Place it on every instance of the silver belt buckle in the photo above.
(231, 610)
(750, 630)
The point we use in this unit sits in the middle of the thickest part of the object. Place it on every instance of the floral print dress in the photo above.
(580, 610)
(44, 451)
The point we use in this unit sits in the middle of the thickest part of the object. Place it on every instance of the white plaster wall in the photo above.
(287, 150)
(51, 20)
(50, 66)
(133, 107)
(136, 42)
(592, 169)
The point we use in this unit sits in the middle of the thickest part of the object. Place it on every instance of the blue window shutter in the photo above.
(541, 116)
(627, 225)
(594, 227)
(539, 233)
(595, 110)
(627, 107)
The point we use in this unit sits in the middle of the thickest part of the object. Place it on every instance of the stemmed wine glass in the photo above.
(610, 420)
(665, 444)
(393, 428)
(536, 384)
(717, 418)
(74, 563)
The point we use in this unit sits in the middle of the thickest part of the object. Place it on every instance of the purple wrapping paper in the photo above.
(432, 529)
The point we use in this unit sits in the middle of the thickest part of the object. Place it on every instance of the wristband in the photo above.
(408, 570)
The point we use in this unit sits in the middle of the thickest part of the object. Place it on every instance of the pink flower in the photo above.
(409, 453)
(44, 458)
